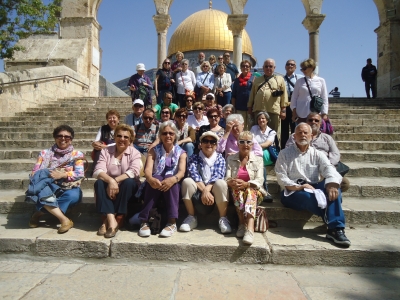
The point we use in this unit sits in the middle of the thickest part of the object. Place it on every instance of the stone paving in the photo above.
(368, 138)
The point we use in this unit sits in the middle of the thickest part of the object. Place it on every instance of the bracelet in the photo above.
(177, 179)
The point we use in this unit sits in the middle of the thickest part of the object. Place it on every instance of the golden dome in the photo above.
(206, 30)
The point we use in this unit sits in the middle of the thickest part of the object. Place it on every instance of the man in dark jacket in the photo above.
(368, 75)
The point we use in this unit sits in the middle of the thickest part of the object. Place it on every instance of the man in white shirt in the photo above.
(197, 68)
(298, 171)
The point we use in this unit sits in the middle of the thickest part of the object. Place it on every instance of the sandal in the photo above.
(111, 232)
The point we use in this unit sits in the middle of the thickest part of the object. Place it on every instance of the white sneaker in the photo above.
(170, 232)
(144, 232)
(240, 231)
(248, 237)
(224, 225)
(189, 223)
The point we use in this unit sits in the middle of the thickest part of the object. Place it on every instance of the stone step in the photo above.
(301, 244)
(394, 116)
(364, 129)
(369, 156)
(382, 211)
(368, 145)
(361, 111)
(31, 153)
(43, 144)
(50, 125)
(43, 130)
(365, 137)
(363, 122)
(12, 135)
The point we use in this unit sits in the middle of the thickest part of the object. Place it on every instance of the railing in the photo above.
(66, 78)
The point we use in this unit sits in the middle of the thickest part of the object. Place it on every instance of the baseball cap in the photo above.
(138, 101)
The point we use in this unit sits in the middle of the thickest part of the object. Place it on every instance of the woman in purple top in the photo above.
(140, 85)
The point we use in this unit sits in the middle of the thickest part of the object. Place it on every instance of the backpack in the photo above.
(326, 126)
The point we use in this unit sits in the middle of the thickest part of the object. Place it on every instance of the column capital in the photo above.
(162, 23)
(236, 6)
(313, 22)
(236, 23)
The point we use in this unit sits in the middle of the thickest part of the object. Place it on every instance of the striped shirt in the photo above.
(145, 137)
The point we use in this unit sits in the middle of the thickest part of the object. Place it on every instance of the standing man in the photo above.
(268, 94)
(230, 67)
(200, 61)
(287, 125)
(135, 118)
(368, 75)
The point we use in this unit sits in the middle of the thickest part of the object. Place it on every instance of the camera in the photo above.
(277, 93)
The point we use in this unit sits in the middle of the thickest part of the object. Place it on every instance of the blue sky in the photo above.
(347, 36)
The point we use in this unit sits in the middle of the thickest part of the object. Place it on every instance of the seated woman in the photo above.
(165, 115)
(62, 153)
(189, 104)
(187, 135)
(210, 103)
(197, 119)
(165, 167)
(213, 119)
(265, 136)
(229, 141)
(116, 173)
(206, 176)
(244, 176)
(105, 135)
(226, 111)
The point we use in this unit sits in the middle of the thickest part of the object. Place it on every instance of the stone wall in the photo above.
(39, 86)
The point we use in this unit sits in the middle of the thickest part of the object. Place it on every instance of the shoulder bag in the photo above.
(67, 185)
(198, 91)
(261, 223)
(316, 101)
(342, 169)
(274, 150)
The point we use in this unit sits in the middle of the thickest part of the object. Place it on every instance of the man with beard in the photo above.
(298, 171)
(324, 143)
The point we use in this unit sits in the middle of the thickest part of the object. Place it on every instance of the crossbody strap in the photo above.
(289, 81)
(308, 87)
(261, 85)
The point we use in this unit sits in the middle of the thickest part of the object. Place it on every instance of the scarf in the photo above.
(162, 161)
(243, 80)
(55, 157)
(209, 163)
(183, 132)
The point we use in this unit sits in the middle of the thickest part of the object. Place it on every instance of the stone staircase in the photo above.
(367, 133)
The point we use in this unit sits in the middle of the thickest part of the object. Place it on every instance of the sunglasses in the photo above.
(138, 105)
(227, 55)
(197, 108)
(220, 58)
(269, 67)
(165, 112)
(167, 63)
(207, 141)
(123, 137)
(303, 69)
(181, 116)
(313, 120)
(189, 100)
(246, 66)
(214, 117)
(165, 133)
(148, 118)
(242, 142)
(66, 137)
(209, 98)
(290, 65)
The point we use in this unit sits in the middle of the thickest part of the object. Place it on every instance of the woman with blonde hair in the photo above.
(204, 81)
(222, 86)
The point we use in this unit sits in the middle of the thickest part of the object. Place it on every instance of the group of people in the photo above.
(204, 153)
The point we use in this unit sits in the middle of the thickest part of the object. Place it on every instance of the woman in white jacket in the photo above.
(222, 86)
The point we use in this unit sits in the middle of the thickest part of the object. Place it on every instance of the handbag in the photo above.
(67, 185)
(326, 126)
(316, 101)
(267, 158)
(188, 92)
(342, 169)
(274, 150)
(261, 220)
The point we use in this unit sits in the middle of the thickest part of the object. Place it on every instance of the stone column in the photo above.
(162, 23)
(236, 24)
(388, 80)
(312, 24)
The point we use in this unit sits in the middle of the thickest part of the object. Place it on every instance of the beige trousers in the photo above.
(219, 190)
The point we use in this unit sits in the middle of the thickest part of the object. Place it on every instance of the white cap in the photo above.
(210, 94)
(138, 101)
(209, 133)
(140, 67)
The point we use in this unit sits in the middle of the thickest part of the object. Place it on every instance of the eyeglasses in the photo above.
(242, 142)
(165, 112)
(167, 63)
(189, 100)
(209, 98)
(246, 66)
(148, 118)
(313, 120)
(303, 69)
(181, 116)
(207, 141)
(66, 137)
(168, 98)
(183, 63)
(165, 133)
(290, 65)
(123, 137)
(220, 58)
(214, 117)
(271, 67)
(138, 105)
(205, 66)
(227, 55)
(197, 108)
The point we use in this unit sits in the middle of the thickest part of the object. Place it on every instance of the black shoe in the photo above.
(268, 198)
(338, 237)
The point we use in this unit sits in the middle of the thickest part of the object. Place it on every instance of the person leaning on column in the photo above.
(269, 94)
(287, 125)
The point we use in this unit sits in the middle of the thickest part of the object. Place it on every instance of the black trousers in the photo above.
(370, 84)
(105, 205)
(287, 127)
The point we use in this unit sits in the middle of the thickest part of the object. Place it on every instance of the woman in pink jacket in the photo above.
(116, 171)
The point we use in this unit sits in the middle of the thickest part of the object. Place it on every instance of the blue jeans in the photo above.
(332, 215)
(225, 99)
(189, 148)
(68, 198)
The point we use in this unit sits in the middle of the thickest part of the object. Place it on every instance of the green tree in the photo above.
(21, 18)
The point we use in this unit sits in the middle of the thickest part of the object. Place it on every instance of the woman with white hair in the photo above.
(229, 142)
(140, 85)
(222, 85)
(185, 82)
(165, 167)
(226, 111)
(204, 81)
